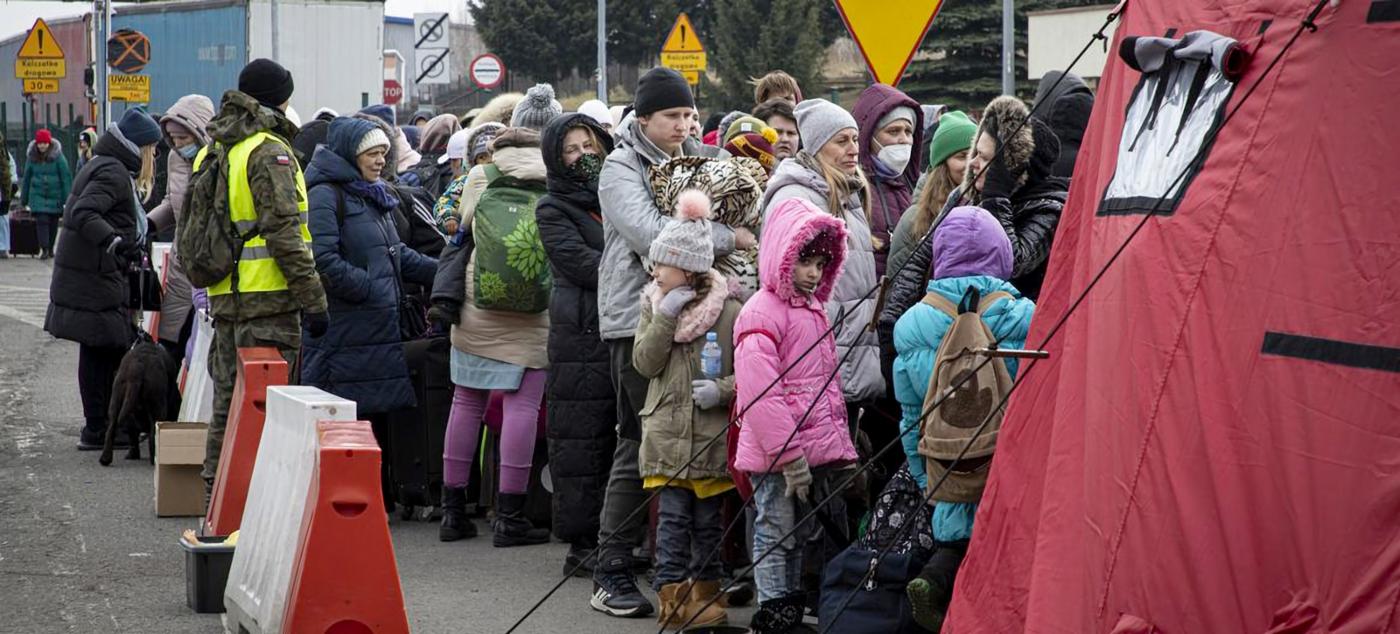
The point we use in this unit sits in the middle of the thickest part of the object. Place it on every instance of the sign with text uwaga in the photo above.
(888, 33)
(683, 51)
(40, 58)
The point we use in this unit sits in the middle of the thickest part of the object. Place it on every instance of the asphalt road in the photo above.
(81, 549)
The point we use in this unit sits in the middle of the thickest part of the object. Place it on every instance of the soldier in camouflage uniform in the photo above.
(277, 283)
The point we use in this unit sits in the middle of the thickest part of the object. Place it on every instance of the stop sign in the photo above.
(393, 92)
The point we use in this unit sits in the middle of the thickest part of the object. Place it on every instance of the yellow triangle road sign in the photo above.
(888, 33)
(40, 43)
(683, 38)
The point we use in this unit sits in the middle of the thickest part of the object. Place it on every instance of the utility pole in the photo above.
(101, 31)
(603, 51)
(275, 39)
(1008, 47)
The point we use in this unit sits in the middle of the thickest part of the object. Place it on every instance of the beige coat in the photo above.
(673, 428)
(517, 338)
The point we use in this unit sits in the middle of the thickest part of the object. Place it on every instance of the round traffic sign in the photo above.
(393, 92)
(128, 51)
(487, 71)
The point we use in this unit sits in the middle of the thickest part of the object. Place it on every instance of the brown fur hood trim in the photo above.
(1003, 116)
(499, 109)
(515, 137)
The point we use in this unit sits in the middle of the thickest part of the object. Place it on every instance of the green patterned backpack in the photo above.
(512, 272)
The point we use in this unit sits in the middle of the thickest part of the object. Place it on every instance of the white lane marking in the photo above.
(21, 316)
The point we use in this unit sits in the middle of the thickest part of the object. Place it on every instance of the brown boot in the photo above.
(706, 605)
(668, 612)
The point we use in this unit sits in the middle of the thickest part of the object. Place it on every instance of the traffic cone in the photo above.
(257, 369)
(344, 577)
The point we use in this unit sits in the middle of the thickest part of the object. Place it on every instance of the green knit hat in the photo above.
(954, 134)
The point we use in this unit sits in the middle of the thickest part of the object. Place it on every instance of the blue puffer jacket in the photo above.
(361, 356)
(916, 338)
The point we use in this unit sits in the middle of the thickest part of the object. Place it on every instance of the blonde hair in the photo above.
(939, 184)
(146, 179)
(839, 188)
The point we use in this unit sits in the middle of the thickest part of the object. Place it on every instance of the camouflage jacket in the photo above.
(272, 179)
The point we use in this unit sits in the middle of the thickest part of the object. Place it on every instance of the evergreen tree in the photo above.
(965, 45)
(749, 38)
(539, 38)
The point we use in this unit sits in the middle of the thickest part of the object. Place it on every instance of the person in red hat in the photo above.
(47, 183)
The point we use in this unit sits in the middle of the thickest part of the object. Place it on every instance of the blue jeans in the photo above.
(688, 530)
(780, 573)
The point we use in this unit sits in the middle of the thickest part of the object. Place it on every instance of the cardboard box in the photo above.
(179, 459)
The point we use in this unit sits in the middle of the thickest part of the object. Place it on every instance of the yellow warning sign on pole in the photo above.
(888, 33)
(135, 88)
(40, 56)
(40, 86)
(683, 50)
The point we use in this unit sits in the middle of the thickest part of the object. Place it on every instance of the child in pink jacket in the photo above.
(793, 460)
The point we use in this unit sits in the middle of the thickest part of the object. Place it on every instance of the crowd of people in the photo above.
(740, 310)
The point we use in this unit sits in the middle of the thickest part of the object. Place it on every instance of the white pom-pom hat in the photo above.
(686, 242)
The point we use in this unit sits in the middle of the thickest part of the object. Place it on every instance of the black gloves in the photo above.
(445, 314)
(1001, 181)
(124, 252)
(316, 323)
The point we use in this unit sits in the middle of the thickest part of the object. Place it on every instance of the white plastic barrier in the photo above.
(256, 593)
(197, 404)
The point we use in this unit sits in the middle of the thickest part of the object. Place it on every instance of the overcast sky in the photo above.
(16, 16)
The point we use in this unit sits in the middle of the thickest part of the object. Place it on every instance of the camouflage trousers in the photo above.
(282, 332)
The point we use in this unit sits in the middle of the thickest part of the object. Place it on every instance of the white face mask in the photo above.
(895, 157)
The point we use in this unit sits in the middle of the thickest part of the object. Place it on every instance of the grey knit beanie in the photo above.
(537, 109)
(686, 243)
(818, 120)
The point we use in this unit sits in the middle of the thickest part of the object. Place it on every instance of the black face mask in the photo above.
(587, 168)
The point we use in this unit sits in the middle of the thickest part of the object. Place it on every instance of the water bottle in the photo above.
(711, 357)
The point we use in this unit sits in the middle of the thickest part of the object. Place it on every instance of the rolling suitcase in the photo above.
(24, 234)
(417, 434)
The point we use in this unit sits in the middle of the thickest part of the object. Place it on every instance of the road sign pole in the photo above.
(275, 40)
(603, 51)
(1008, 47)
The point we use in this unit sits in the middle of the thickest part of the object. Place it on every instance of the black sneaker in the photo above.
(579, 561)
(615, 593)
(92, 441)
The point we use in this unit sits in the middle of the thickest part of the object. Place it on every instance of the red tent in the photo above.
(1214, 445)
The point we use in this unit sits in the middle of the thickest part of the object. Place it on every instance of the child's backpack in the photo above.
(206, 240)
(949, 427)
(864, 593)
(512, 273)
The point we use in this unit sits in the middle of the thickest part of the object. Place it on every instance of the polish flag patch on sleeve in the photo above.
(284, 160)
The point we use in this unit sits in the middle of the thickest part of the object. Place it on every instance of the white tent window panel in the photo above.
(1177, 105)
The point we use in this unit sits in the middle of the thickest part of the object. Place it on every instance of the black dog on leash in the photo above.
(146, 390)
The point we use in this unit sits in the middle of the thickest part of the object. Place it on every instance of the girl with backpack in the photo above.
(499, 339)
(363, 265)
(971, 252)
(794, 458)
(687, 312)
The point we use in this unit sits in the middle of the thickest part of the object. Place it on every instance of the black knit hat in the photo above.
(661, 88)
(266, 81)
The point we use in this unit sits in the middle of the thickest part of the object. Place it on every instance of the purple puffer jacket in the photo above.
(776, 327)
(888, 197)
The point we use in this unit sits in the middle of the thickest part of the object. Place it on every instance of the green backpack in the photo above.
(512, 272)
(206, 240)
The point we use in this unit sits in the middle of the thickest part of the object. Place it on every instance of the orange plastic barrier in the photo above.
(345, 579)
(257, 369)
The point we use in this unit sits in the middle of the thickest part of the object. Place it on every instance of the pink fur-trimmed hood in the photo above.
(788, 228)
(698, 317)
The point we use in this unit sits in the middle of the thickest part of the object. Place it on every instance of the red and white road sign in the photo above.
(487, 71)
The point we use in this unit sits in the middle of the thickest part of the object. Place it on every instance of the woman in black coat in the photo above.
(579, 390)
(104, 232)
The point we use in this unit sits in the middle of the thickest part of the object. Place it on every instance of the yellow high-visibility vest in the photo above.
(257, 270)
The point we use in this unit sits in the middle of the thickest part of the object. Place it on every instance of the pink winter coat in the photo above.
(775, 328)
